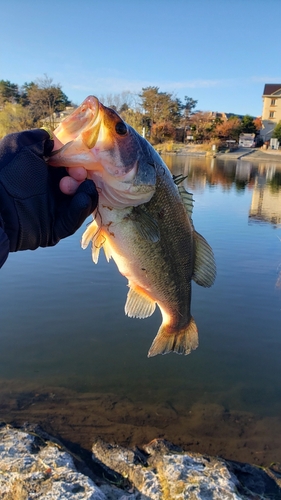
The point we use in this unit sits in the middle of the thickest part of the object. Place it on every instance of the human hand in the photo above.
(34, 205)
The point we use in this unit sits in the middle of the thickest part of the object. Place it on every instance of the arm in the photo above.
(34, 210)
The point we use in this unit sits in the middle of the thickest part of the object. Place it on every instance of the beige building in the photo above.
(271, 113)
(56, 118)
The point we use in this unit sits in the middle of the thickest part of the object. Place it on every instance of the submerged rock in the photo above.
(34, 465)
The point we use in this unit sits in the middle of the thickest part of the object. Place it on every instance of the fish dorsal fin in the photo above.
(178, 179)
(145, 224)
(138, 304)
(98, 238)
(187, 199)
(204, 272)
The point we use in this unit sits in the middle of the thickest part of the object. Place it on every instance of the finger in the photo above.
(78, 173)
(68, 185)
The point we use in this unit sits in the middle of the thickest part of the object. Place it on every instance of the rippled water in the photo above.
(68, 352)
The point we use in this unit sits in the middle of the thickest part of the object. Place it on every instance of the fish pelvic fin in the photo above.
(97, 236)
(180, 342)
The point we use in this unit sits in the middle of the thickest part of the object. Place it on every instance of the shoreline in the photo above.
(251, 154)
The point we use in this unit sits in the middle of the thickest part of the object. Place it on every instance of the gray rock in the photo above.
(34, 465)
(47, 472)
(169, 474)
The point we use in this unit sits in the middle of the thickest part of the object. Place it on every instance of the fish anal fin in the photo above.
(180, 342)
(138, 304)
(204, 272)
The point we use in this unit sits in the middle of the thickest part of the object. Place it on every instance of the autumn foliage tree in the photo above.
(229, 129)
(162, 110)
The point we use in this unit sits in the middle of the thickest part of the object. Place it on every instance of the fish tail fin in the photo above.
(180, 342)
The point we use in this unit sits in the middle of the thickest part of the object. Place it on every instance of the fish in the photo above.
(143, 221)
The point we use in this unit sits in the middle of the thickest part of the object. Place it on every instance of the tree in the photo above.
(120, 102)
(201, 125)
(133, 118)
(277, 132)
(258, 123)
(9, 92)
(248, 125)
(229, 129)
(14, 118)
(160, 108)
(188, 108)
(44, 99)
(163, 131)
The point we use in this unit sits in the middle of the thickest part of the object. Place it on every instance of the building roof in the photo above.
(271, 88)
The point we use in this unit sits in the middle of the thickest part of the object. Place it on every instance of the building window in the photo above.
(271, 114)
(273, 102)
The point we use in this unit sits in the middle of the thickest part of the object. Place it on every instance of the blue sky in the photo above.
(220, 52)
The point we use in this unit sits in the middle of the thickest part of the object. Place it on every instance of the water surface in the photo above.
(72, 361)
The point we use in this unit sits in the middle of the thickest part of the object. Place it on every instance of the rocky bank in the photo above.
(35, 465)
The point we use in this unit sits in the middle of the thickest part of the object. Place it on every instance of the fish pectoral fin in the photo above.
(180, 342)
(204, 272)
(98, 238)
(138, 304)
(145, 224)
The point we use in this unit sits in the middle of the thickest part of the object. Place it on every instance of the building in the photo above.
(247, 140)
(57, 117)
(271, 113)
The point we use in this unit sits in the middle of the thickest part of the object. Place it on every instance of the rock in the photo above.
(162, 471)
(30, 468)
(168, 473)
(33, 465)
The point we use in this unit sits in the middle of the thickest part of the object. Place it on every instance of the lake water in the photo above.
(72, 361)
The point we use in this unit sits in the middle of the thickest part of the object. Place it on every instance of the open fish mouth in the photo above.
(97, 138)
(78, 134)
(81, 119)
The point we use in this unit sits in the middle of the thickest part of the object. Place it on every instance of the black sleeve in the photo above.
(4, 246)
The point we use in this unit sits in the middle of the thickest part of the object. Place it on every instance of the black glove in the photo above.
(34, 212)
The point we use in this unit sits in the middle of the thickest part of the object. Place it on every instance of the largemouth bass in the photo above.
(143, 221)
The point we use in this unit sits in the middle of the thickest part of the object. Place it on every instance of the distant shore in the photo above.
(252, 154)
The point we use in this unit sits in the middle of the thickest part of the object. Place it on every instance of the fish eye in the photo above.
(121, 128)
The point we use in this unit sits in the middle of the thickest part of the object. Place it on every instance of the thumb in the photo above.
(80, 206)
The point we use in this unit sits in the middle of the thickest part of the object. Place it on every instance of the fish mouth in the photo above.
(83, 124)
(90, 133)
(80, 120)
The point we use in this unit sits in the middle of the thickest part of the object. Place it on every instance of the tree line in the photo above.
(24, 107)
(160, 116)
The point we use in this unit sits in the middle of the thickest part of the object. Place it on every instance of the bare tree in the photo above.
(45, 99)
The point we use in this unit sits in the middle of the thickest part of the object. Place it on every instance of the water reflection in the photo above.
(71, 360)
(263, 179)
